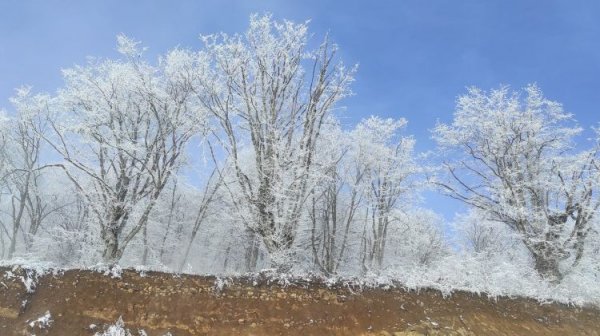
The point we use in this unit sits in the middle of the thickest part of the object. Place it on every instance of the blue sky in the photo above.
(415, 56)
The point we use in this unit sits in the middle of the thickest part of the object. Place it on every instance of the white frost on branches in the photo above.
(516, 162)
(233, 157)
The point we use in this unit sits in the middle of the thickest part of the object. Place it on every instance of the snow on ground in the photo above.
(43, 322)
(448, 275)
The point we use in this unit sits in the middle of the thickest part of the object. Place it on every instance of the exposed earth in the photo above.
(86, 302)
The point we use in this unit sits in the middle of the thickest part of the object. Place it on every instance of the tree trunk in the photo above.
(13, 243)
(251, 255)
(145, 238)
(2, 245)
(547, 262)
(548, 268)
(111, 253)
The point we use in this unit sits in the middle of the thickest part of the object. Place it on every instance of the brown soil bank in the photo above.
(192, 305)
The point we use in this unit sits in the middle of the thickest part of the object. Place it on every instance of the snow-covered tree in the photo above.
(387, 158)
(477, 234)
(361, 176)
(4, 173)
(121, 127)
(209, 194)
(267, 89)
(28, 203)
(68, 236)
(516, 162)
(335, 199)
(416, 239)
(4, 151)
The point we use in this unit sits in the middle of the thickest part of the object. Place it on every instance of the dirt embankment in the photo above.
(84, 302)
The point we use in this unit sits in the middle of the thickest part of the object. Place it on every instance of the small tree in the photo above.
(516, 163)
(4, 173)
(335, 199)
(416, 239)
(387, 158)
(478, 235)
(23, 173)
(4, 150)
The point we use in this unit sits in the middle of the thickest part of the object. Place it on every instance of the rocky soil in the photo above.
(86, 302)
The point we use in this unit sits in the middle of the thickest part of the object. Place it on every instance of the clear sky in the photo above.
(415, 56)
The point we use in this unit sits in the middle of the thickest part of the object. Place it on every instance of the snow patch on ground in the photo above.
(116, 329)
(29, 271)
(42, 322)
